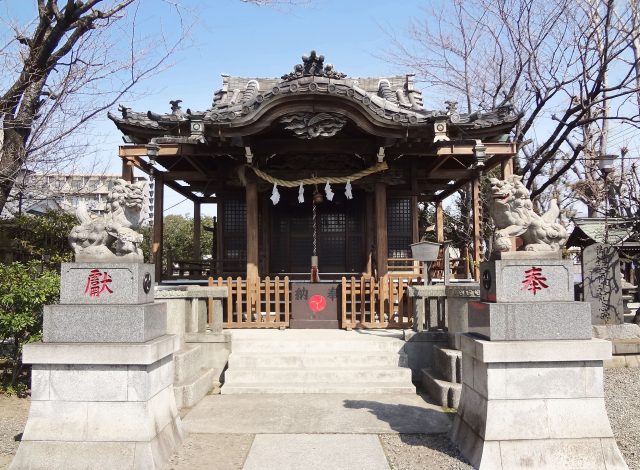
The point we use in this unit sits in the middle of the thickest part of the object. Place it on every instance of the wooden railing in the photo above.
(263, 303)
(367, 303)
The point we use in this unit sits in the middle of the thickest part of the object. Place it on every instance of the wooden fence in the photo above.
(263, 303)
(382, 303)
(366, 302)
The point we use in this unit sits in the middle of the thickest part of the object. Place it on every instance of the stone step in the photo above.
(188, 361)
(443, 392)
(317, 387)
(316, 359)
(447, 363)
(316, 346)
(191, 391)
(347, 376)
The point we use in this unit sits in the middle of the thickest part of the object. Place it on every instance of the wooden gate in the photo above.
(367, 303)
(263, 303)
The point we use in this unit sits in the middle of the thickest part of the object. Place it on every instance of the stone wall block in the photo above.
(516, 419)
(88, 383)
(578, 418)
(119, 421)
(544, 380)
(40, 383)
(144, 382)
(56, 421)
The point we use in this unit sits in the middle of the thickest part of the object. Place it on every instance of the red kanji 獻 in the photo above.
(97, 283)
(533, 280)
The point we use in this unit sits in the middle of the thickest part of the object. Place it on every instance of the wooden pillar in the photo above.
(415, 216)
(197, 227)
(127, 170)
(506, 168)
(382, 250)
(477, 239)
(158, 222)
(371, 237)
(439, 222)
(252, 230)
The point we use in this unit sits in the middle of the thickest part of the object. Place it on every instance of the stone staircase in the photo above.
(317, 361)
(443, 382)
(192, 379)
(631, 307)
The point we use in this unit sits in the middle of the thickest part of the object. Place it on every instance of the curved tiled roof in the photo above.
(390, 101)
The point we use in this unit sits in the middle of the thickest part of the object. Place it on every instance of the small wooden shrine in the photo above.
(314, 163)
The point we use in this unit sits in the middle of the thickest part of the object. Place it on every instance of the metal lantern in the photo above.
(605, 163)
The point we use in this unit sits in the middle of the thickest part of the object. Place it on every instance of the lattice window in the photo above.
(399, 227)
(234, 230)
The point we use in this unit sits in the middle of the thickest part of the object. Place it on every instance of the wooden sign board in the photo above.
(314, 305)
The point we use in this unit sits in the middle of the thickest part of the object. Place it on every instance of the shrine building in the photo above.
(313, 164)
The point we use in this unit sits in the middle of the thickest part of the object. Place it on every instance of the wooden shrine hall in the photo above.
(314, 163)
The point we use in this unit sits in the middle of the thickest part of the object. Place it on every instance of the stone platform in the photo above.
(535, 404)
(102, 379)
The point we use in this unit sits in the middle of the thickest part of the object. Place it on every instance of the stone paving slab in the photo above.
(316, 413)
(316, 452)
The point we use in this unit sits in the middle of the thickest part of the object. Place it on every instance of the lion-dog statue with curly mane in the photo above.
(112, 236)
(513, 215)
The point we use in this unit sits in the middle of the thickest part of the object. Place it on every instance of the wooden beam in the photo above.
(449, 174)
(467, 149)
(506, 168)
(252, 230)
(197, 224)
(152, 172)
(439, 222)
(158, 222)
(477, 219)
(127, 170)
(382, 250)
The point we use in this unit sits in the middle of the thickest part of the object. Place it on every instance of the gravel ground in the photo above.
(404, 451)
(622, 392)
(13, 416)
(420, 451)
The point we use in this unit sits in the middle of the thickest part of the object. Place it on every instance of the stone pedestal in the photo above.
(102, 380)
(535, 405)
(532, 378)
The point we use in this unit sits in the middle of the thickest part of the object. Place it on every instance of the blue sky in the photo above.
(232, 37)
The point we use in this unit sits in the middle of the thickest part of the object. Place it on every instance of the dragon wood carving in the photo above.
(513, 215)
(312, 125)
(113, 236)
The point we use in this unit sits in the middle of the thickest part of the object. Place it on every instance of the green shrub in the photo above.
(24, 290)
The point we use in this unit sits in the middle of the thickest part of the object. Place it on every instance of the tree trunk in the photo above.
(12, 158)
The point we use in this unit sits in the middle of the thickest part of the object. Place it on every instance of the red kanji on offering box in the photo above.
(97, 283)
(533, 280)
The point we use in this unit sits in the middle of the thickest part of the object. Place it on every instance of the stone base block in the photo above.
(90, 414)
(48, 455)
(540, 454)
(534, 405)
(512, 280)
(126, 283)
(526, 321)
(104, 323)
(190, 392)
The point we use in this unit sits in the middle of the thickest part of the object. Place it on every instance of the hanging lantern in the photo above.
(301, 194)
(328, 192)
(347, 190)
(275, 194)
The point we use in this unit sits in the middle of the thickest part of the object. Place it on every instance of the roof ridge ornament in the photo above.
(313, 66)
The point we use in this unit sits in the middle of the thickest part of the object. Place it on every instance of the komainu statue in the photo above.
(113, 236)
(513, 215)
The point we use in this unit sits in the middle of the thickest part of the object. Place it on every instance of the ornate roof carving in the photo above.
(312, 125)
(313, 66)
